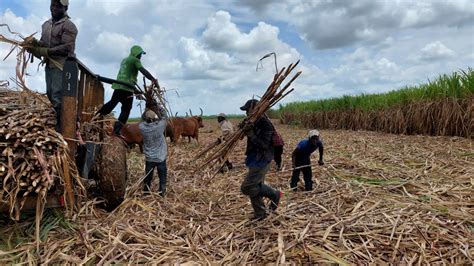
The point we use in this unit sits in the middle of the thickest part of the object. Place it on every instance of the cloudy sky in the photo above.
(205, 52)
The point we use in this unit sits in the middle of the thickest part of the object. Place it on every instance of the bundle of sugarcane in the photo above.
(222, 150)
(34, 157)
(24, 44)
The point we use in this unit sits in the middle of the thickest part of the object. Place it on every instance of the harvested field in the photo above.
(379, 198)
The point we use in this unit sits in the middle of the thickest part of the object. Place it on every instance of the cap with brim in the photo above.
(221, 115)
(248, 104)
(64, 2)
(313, 133)
(150, 115)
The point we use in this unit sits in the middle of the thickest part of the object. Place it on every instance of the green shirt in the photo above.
(128, 72)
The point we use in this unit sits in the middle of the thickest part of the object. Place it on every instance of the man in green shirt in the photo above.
(124, 94)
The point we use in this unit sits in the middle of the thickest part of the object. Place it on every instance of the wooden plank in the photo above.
(80, 94)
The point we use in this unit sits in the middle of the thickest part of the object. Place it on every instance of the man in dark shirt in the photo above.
(58, 42)
(301, 159)
(259, 154)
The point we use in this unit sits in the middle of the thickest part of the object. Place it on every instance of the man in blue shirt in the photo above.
(259, 154)
(301, 160)
(154, 147)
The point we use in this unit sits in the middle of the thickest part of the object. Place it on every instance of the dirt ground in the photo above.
(379, 198)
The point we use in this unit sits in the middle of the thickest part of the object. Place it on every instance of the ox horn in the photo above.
(187, 115)
(176, 115)
(190, 112)
(201, 111)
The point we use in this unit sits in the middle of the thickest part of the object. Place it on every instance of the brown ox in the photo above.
(184, 127)
(131, 134)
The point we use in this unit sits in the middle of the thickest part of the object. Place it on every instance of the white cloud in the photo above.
(110, 47)
(435, 51)
(208, 50)
(222, 34)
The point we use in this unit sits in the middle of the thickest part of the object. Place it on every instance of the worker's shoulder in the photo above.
(70, 25)
(264, 122)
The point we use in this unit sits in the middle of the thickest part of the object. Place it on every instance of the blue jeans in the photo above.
(162, 173)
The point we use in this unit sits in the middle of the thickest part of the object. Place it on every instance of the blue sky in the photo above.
(208, 50)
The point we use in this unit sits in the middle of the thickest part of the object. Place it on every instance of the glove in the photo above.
(30, 42)
(248, 129)
(155, 82)
(39, 51)
(321, 162)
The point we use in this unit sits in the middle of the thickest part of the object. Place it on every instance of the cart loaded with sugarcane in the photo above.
(49, 163)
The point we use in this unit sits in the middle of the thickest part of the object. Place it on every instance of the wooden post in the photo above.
(68, 118)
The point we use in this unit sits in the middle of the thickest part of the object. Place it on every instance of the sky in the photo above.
(205, 52)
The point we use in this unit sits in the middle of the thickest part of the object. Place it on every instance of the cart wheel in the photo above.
(113, 169)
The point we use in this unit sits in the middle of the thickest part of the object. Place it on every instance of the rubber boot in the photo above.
(162, 190)
(275, 201)
(117, 128)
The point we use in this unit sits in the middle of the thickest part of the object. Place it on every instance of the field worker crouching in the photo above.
(301, 161)
(259, 154)
(58, 42)
(154, 147)
(227, 130)
(128, 72)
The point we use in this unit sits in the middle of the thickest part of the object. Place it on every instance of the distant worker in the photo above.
(301, 161)
(57, 44)
(259, 154)
(277, 148)
(124, 94)
(154, 147)
(227, 130)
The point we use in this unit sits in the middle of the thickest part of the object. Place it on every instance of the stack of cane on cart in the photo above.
(34, 158)
(219, 152)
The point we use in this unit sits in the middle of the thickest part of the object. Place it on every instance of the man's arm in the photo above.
(264, 139)
(321, 152)
(293, 158)
(149, 76)
(68, 40)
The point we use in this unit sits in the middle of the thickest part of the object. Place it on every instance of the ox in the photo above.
(175, 128)
(131, 134)
(184, 127)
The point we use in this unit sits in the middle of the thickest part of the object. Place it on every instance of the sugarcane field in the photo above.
(155, 140)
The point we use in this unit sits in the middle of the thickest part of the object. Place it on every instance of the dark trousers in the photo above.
(54, 89)
(119, 96)
(307, 176)
(162, 173)
(278, 151)
(254, 187)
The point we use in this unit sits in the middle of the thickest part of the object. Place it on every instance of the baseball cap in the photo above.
(150, 115)
(221, 115)
(248, 104)
(313, 133)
